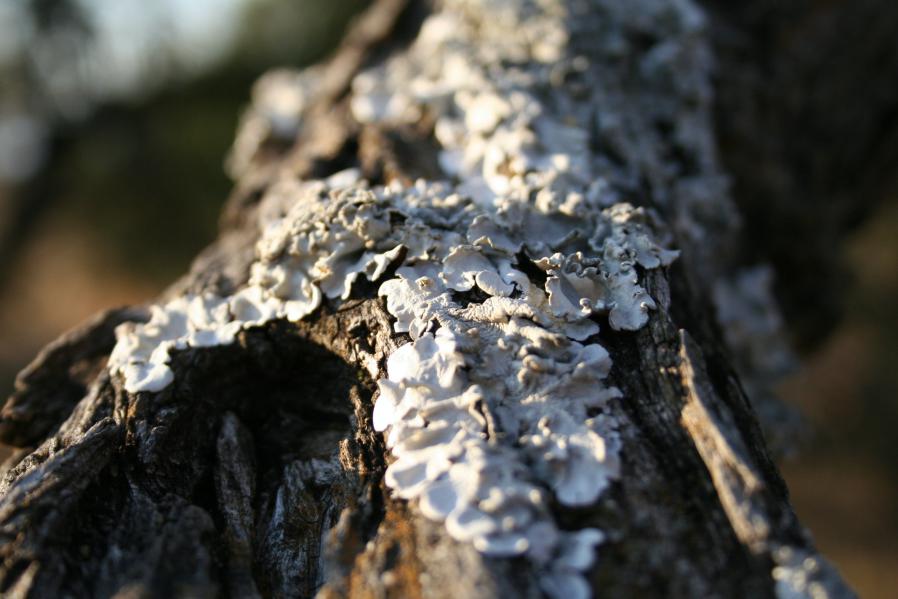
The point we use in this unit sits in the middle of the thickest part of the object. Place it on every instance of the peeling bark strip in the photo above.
(437, 350)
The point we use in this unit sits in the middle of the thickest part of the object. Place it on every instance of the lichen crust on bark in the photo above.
(498, 399)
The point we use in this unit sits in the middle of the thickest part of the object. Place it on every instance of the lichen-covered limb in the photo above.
(481, 361)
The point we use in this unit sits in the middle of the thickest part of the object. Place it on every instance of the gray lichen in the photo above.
(752, 324)
(799, 574)
(499, 402)
(494, 404)
(275, 115)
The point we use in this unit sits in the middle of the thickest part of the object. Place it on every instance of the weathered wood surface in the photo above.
(257, 471)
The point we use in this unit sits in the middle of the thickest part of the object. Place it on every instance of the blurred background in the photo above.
(116, 116)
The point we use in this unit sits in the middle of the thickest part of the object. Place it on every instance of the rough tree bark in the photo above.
(237, 455)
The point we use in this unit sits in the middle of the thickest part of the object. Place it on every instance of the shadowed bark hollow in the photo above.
(257, 470)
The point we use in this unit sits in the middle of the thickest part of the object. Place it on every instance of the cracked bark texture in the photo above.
(258, 472)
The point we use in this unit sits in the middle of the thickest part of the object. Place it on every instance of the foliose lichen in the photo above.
(279, 99)
(752, 325)
(499, 403)
(494, 404)
(799, 574)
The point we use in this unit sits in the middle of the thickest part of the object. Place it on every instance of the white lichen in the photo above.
(495, 403)
(278, 100)
(752, 324)
(800, 574)
(499, 403)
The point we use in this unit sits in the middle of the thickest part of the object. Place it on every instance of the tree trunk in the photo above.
(471, 329)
